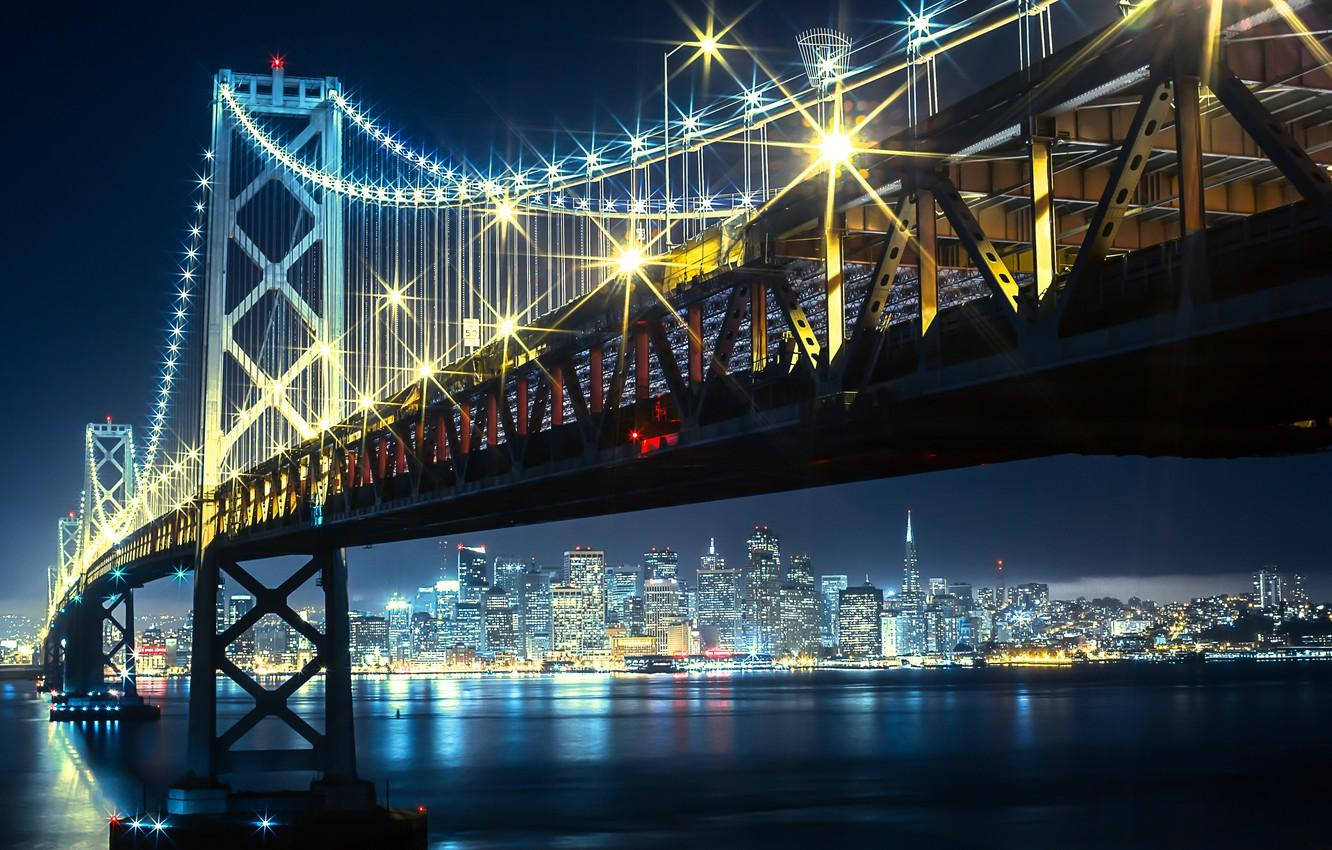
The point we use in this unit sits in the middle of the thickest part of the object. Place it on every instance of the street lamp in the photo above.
(708, 45)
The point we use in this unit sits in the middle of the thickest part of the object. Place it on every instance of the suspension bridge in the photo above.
(1118, 246)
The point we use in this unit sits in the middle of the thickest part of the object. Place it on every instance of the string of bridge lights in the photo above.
(455, 189)
(192, 254)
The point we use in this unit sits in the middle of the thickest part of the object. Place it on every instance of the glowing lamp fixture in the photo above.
(628, 260)
(504, 211)
(708, 45)
(835, 148)
(395, 297)
(366, 402)
(506, 326)
(920, 24)
(425, 370)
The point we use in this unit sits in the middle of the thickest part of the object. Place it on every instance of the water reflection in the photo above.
(753, 759)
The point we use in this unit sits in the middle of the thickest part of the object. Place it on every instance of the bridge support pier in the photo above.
(331, 753)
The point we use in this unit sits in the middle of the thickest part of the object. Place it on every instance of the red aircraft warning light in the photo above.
(277, 61)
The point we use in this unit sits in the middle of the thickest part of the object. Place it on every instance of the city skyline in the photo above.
(421, 562)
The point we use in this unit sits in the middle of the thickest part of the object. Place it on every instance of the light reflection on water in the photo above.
(971, 758)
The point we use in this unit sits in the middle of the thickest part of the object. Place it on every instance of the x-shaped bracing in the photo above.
(270, 703)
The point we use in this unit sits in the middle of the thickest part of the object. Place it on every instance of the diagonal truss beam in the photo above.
(1308, 177)
(1151, 114)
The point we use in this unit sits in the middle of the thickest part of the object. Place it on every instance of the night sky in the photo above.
(108, 114)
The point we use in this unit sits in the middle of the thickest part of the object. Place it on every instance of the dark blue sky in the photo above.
(107, 112)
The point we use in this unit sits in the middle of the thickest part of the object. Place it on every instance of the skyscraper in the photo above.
(858, 611)
(508, 571)
(911, 594)
(242, 649)
(567, 617)
(798, 609)
(1267, 588)
(369, 639)
(585, 569)
(500, 637)
(535, 620)
(719, 611)
(473, 572)
(829, 587)
(622, 584)
(399, 611)
(661, 563)
(763, 576)
(661, 606)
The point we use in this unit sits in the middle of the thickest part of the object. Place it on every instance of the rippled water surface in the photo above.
(1111, 757)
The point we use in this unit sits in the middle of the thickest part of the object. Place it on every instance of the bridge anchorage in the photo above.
(1120, 248)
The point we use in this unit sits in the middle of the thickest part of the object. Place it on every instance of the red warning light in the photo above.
(276, 61)
(108, 420)
(633, 435)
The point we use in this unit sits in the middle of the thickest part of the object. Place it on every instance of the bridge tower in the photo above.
(274, 322)
(108, 479)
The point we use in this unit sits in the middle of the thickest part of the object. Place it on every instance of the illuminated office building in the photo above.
(585, 569)
(858, 621)
(661, 563)
(763, 578)
(829, 588)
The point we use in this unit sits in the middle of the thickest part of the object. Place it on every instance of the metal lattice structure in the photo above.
(108, 482)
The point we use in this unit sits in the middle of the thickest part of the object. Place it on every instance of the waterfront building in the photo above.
(499, 626)
(534, 623)
(469, 626)
(661, 608)
(662, 563)
(682, 639)
(585, 569)
(399, 613)
(889, 629)
(624, 644)
(719, 607)
(567, 618)
(798, 609)
(763, 577)
(473, 572)
(425, 636)
(829, 587)
(858, 611)
(369, 640)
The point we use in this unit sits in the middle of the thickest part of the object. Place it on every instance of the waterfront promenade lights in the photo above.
(705, 46)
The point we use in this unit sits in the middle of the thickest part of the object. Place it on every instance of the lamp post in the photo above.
(707, 45)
